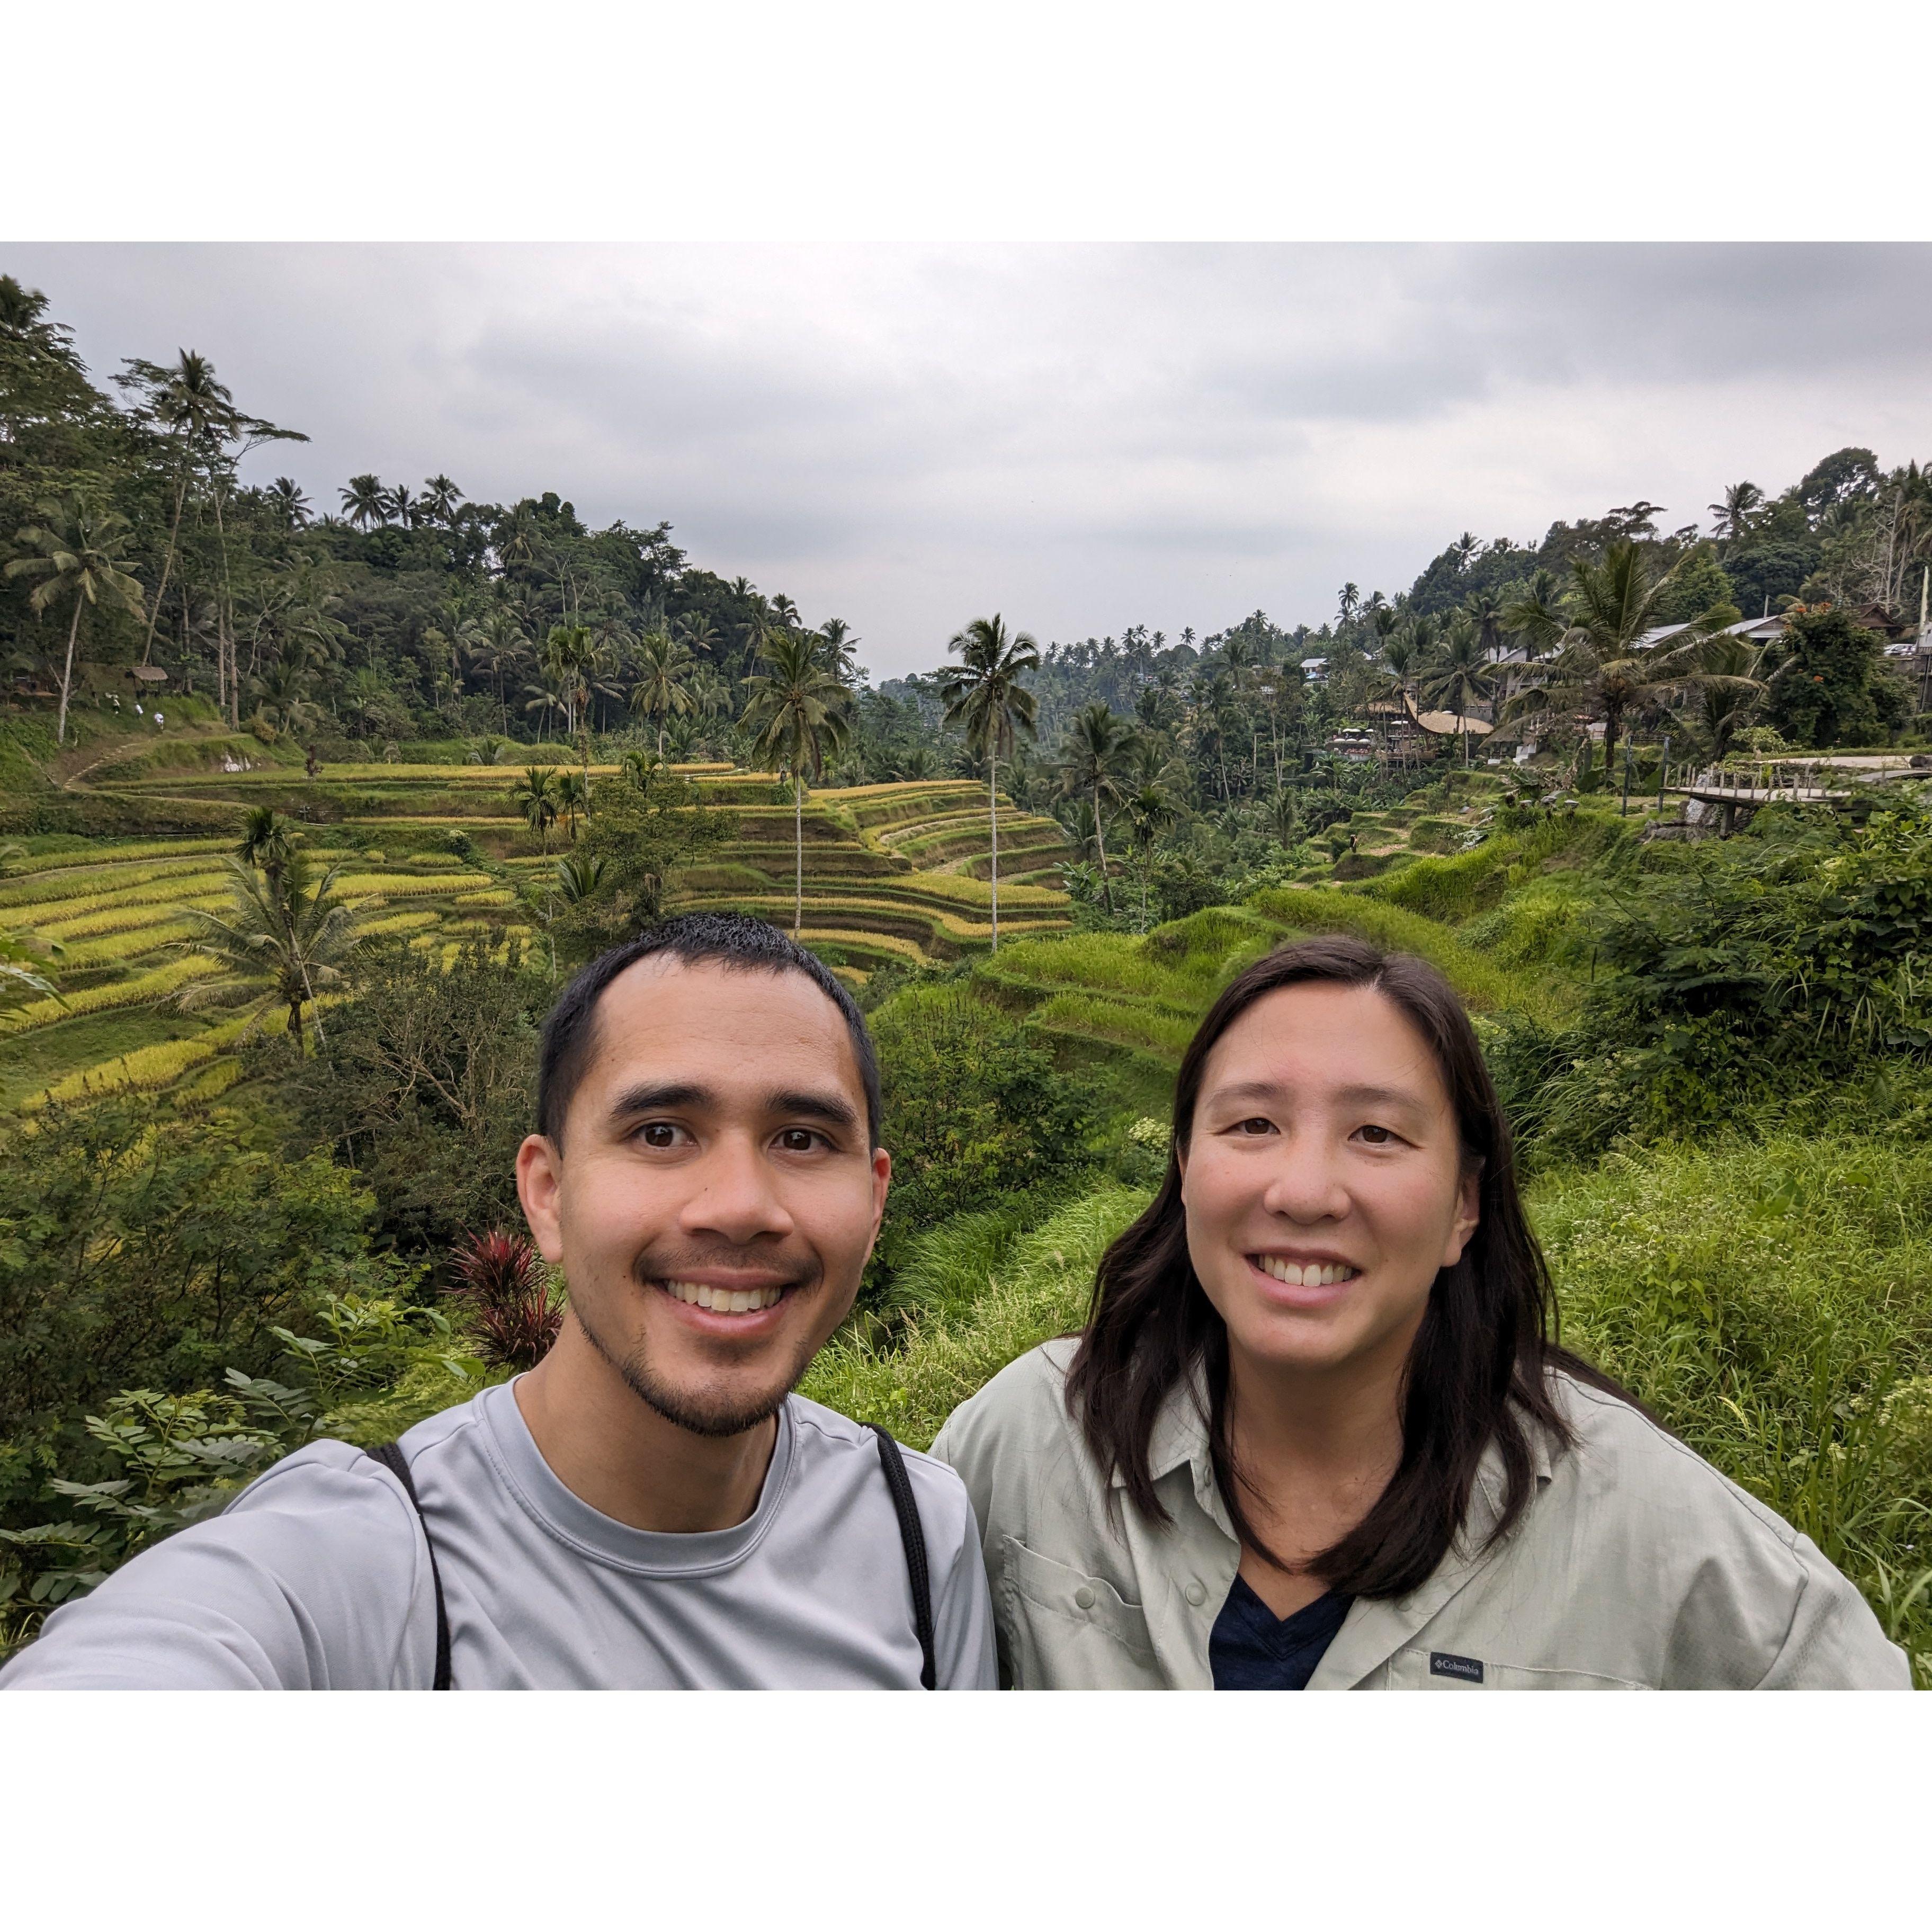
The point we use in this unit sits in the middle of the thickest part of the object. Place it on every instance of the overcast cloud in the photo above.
(1081, 437)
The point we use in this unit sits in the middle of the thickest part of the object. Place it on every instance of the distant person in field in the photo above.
(650, 1507)
(1315, 1435)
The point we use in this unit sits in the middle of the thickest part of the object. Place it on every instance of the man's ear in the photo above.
(539, 1181)
(882, 1179)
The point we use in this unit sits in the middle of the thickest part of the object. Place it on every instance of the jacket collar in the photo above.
(1180, 1438)
(1374, 1631)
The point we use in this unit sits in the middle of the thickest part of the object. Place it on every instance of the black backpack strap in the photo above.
(390, 1455)
(905, 1507)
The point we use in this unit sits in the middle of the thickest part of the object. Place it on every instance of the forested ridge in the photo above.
(278, 927)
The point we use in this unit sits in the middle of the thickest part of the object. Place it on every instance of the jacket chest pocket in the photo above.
(1065, 1630)
(1420, 1670)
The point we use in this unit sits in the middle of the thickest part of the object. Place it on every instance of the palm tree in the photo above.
(984, 693)
(286, 926)
(1742, 501)
(1602, 663)
(76, 551)
(1538, 618)
(365, 502)
(439, 498)
(798, 712)
(1725, 691)
(404, 507)
(267, 843)
(579, 876)
(573, 800)
(567, 654)
(543, 698)
(664, 686)
(840, 649)
(287, 499)
(188, 400)
(1092, 759)
(534, 797)
(1462, 676)
(1151, 810)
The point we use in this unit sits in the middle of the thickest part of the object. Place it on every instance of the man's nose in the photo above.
(735, 1197)
(1306, 1185)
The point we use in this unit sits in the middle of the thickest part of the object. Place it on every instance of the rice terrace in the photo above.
(307, 811)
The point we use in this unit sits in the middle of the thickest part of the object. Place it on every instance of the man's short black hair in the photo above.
(733, 940)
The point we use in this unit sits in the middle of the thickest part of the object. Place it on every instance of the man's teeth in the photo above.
(724, 1300)
(1316, 1274)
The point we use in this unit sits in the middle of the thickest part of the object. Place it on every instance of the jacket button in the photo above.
(1196, 1594)
(1084, 1597)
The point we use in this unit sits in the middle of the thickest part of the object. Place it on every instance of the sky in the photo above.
(1079, 436)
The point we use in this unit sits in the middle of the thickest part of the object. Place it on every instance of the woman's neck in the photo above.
(1313, 1450)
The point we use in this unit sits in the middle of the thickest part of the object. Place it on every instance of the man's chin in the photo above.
(705, 1397)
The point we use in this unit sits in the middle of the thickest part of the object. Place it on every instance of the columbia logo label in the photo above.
(1468, 1668)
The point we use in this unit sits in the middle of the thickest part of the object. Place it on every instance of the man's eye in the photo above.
(798, 1140)
(658, 1134)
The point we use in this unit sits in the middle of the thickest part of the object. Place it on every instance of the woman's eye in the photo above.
(1256, 1126)
(1375, 1136)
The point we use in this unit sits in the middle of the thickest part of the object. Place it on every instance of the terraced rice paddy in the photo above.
(433, 854)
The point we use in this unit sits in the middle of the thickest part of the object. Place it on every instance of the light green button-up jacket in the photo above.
(1636, 1566)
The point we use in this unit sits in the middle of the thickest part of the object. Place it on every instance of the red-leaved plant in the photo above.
(501, 1282)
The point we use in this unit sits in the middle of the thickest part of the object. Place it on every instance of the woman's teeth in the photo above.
(723, 1300)
(1316, 1274)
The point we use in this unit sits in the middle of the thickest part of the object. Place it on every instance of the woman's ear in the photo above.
(1469, 1215)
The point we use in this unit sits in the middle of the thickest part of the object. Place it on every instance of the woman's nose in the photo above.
(1305, 1182)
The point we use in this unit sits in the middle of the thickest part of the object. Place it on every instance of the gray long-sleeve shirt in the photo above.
(317, 1577)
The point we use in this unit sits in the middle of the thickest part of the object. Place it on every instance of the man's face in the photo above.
(715, 1199)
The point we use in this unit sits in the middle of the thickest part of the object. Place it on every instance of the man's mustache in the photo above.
(659, 1264)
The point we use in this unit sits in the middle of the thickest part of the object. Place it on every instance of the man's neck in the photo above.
(610, 1449)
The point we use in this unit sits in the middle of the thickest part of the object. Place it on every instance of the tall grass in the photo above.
(1766, 1299)
(1040, 1290)
(1487, 986)
(1093, 1016)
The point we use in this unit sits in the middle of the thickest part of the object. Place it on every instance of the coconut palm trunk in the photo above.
(993, 829)
(66, 673)
(1100, 842)
(167, 564)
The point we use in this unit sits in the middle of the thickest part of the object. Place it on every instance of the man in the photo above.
(649, 1506)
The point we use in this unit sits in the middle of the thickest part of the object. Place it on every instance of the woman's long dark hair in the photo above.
(1478, 1371)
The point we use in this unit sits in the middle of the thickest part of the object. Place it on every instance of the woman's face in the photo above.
(1323, 1180)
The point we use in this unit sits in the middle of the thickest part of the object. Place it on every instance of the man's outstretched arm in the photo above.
(315, 1578)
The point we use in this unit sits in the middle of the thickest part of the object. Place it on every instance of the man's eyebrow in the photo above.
(669, 1096)
(659, 1097)
(814, 1107)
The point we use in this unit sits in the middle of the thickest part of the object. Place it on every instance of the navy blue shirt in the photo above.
(1253, 1649)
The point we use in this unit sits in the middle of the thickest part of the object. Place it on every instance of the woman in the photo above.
(1315, 1433)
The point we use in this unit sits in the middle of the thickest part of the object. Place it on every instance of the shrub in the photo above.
(504, 1289)
(975, 1111)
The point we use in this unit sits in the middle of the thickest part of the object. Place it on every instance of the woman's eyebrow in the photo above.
(1356, 1096)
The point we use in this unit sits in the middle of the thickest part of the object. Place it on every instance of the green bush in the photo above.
(975, 1111)
(1772, 1303)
